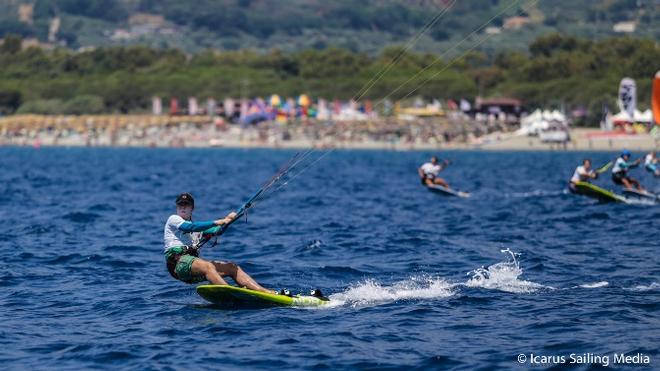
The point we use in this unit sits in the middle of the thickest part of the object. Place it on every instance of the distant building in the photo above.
(152, 20)
(514, 23)
(142, 24)
(121, 34)
(53, 29)
(25, 13)
(498, 105)
(625, 27)
(493, 30)
(32, 42)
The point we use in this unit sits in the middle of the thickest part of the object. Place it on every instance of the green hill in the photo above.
(294, 25)
(557, 71)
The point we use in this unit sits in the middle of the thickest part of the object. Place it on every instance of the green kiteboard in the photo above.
(601, 194)
(232, 296)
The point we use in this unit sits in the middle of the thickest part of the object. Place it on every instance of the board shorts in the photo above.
(179, 264)
(430, 177)
(619, 177)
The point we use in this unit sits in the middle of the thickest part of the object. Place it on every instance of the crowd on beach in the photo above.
(261, 122)
(303, 122)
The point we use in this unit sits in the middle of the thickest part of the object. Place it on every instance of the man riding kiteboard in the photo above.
(582, 173)
(182, 255)
(428, 173)
(650, 164)
(620, 171)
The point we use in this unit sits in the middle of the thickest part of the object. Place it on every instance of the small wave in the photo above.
(78, 217)
(340, 270)
(503, 276)
(116, 187)
(536, 193)
(642, 288)
(102, 207)
(38, 229)
(60, 259)
(594, 285)
(311, 245)
(371, 292)
(581, 218)
(109, 261)
(314, 244)
(640, 201)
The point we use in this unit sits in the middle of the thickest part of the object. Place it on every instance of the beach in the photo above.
(199, 132)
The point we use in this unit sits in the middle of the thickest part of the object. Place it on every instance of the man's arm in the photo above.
(444, 165)
(212, 231)
(188, 226)
(196, 226)
(591, 174)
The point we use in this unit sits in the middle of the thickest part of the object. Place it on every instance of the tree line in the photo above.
(557, 71)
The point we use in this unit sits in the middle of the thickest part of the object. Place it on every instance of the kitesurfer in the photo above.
(582, 173)
(650, 164)
(428, 172)
(620, 171)
(182, 256)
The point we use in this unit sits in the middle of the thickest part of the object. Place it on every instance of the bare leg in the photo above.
(441, 182)
(239, 275)
(201, 266)
(637, 184)
(626, 183)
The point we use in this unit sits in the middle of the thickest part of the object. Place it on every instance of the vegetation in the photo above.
(558, 70)
(295, 25)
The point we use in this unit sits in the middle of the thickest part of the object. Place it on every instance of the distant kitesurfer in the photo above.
(582, 173)
(650, 164)
(620, 171)
(183, 261)
(428, 172)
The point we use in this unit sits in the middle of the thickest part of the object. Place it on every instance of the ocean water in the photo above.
(417, 280)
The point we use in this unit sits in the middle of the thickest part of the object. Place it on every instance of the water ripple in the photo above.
(416, 281)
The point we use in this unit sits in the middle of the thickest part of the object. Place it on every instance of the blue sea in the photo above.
(519, 273)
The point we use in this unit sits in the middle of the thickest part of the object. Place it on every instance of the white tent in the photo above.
(558, 116)
(644, 117)
(539, 121)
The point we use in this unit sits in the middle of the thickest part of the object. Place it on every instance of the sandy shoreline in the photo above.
(581, 140)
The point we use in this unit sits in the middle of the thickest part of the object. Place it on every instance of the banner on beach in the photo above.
(193, 107)
(655, 98)
(210, 106)
(156, 106)
(628, 96)
(174, 106)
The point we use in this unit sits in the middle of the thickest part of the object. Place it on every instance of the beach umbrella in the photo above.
(304, 100)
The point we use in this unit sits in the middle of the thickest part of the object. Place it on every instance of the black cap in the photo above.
(185, 199)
